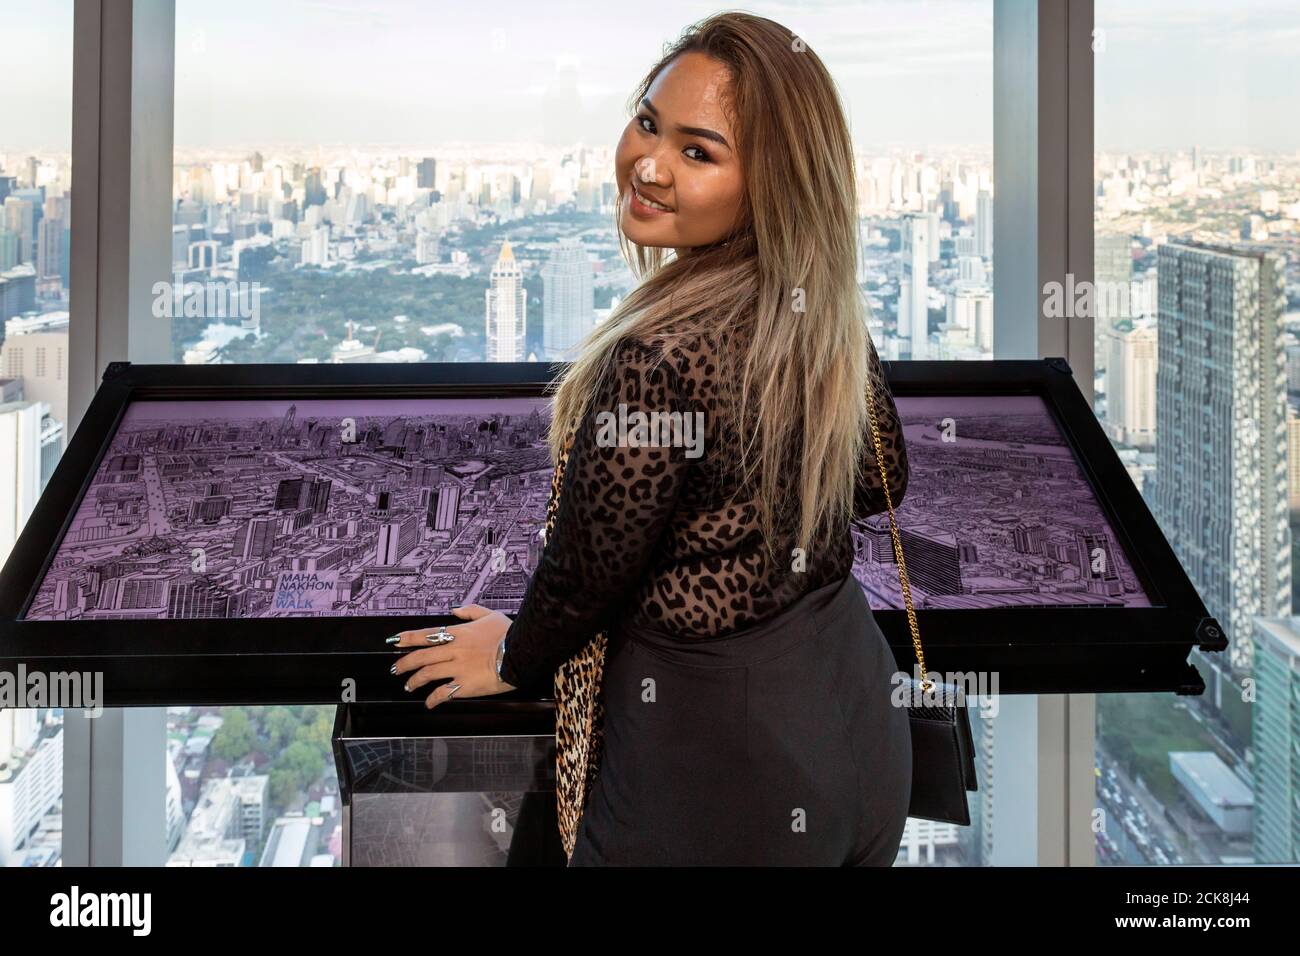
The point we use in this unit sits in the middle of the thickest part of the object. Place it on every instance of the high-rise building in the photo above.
(1221, 452)
(1113, 270)
(20, 468)
(313, 188)
(426, 174)
(1293, 458)
(568, 299)
(397, 538)
(970, 313)
(255, 539)
(9, 249)
(1275, 727)
(984, 224)
(913, 285)
(507, 304)
(19, 216)
(35, 352)
(443, 507)
(296, 494)
(180, 247)
(197, 597)
(17, 291)
(31, 777)
(1131, 383)
(52, 238)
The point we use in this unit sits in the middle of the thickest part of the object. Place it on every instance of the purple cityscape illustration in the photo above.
(316, 508)
(330, 508)
(997, 513)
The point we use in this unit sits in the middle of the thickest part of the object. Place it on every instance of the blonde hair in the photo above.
(780, 292)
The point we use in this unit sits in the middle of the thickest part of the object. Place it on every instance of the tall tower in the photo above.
(1114, 273)
(913, 284)
(506, 306)
(568, 299)
(286, 425)
(984, 224)
(1221, 431)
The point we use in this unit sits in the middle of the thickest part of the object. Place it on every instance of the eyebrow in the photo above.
(689, 130)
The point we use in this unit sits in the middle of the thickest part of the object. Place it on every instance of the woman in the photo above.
(746, 687)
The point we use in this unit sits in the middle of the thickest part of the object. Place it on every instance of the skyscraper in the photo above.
(568, 299)
(35, 351)
(52, 239)
(1275, 727)
(1114, 273)
(984, 224)
(426, 173)
(1131, 383)
(20, 468)
(507, 303)
(913, 285)
(1221, 430)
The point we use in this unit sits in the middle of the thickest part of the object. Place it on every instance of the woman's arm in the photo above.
(614, 504)
(869, 495)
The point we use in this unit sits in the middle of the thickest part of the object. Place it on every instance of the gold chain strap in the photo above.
(926, 683)
(557, 481)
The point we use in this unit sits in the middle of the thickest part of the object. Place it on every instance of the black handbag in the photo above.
(943, 752)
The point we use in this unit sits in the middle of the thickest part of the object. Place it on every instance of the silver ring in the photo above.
(452, 693)
(441, 637)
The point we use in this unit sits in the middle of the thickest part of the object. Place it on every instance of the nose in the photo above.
(650, 170)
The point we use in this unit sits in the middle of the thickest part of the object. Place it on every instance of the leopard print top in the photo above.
(654, 533)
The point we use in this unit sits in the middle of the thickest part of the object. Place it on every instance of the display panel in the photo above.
(997, 513)
(318, 508)
(308, 508)
(201, 543)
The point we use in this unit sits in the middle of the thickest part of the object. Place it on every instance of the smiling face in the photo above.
(679, 151)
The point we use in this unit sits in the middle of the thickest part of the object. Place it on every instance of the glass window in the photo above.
(372, 182)
(1198, 380)
(35, 226)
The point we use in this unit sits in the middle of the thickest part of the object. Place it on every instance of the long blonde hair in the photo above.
(780, 292)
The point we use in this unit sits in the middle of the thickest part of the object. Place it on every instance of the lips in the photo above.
(644, 196)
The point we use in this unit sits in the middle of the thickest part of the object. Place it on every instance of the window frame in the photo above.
(123, 119)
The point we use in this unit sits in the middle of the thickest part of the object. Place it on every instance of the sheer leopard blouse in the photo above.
(646, 533)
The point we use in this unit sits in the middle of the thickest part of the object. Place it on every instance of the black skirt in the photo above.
(774, 745)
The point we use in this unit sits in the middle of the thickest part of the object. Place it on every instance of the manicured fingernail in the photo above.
(393, 669)
(393, 640)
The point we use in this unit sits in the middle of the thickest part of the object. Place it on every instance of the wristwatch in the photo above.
(501, 656)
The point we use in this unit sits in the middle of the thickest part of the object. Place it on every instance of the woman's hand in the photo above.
(469, 660)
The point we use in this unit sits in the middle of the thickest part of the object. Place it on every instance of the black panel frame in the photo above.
(283, 660)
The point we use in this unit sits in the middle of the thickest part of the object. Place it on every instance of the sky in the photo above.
(917, 73)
